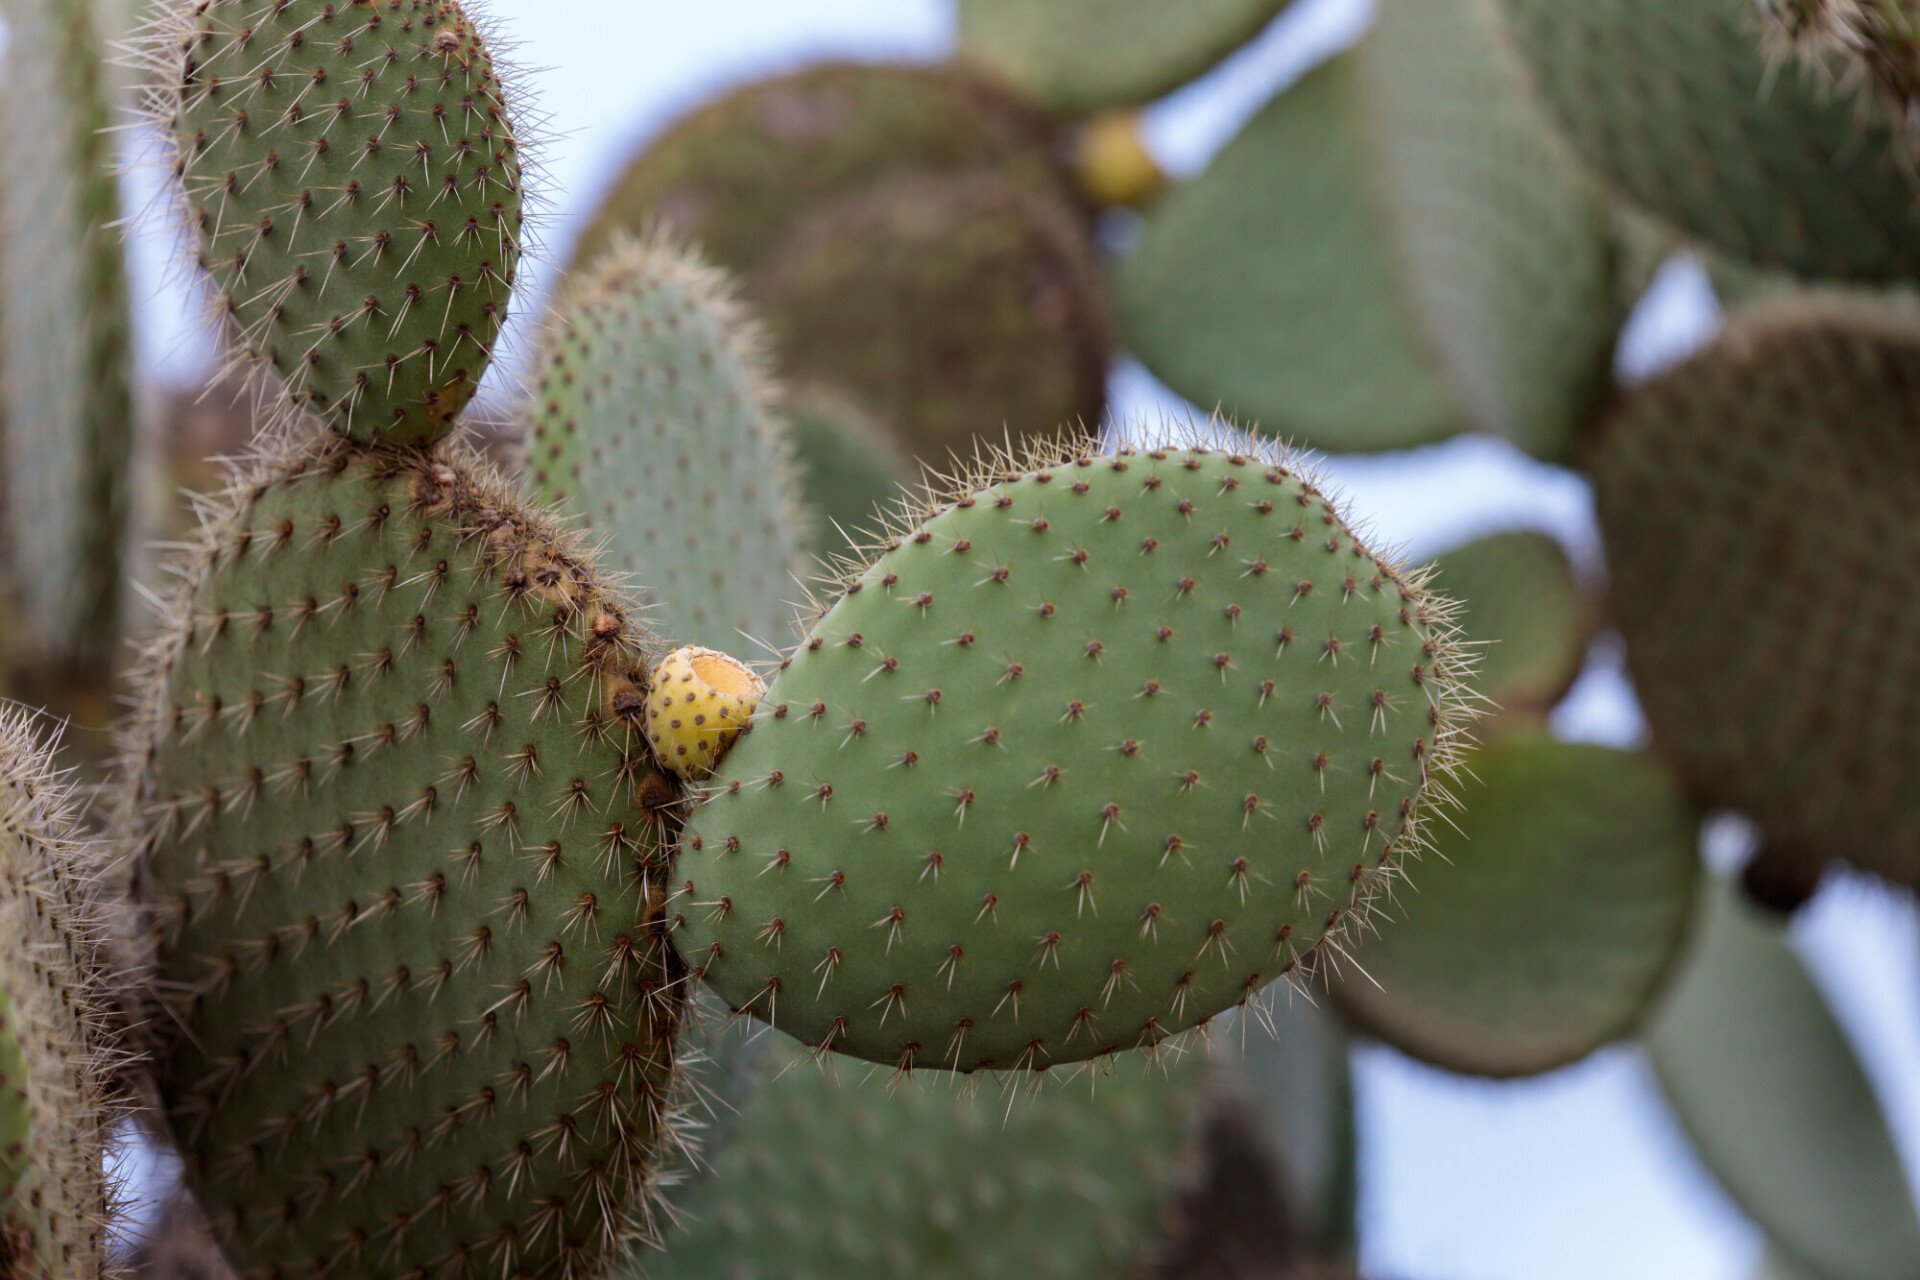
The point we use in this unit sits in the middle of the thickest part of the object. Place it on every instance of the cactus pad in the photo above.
(954, 307)
(1520, 603)
(1076, 56)
(1762, 1079)
(402, 842)
(1756, 506)
(66, 393)
(1575, 868)
(851, 468)
(837, 1176)
(655, 423)
(1091, 754)
(354, 179)
(1676, 105)
(1265, 289)
(697, 702)
(58, 1024)
(1514, 294)
(740, 173)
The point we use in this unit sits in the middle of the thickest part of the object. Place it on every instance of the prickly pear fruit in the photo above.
(403, 845)
(354, 179)
(655, 422)
(1098, 748)
(59, 1023)
(698, 700)
(1112, 162)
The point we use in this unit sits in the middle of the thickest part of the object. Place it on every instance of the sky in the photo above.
(1578, 1175)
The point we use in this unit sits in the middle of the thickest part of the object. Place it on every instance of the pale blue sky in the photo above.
(1577, 1176)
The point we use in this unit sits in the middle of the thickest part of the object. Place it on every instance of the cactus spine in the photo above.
(353, 175)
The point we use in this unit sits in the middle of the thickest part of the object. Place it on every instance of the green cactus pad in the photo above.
(738, 174)
(1756, 507)
(1264, 287)
(1676, 105)
(1765, 1084)
(1520, 602)
(66, 394)
(353, 176)
(403, 850)
(1574, 870)
(1871, 48)
(60, 1030)
(839, 1173)
(952, 306)
(1504, 240)
(1076, 56)
(851, 470)
(654, 421)
(1092, 754)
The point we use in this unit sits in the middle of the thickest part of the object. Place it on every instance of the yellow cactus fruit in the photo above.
(1112, 162)
(697, 702)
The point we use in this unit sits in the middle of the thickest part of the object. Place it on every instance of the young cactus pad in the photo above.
(1094, 751)
(654, 421)
(354, 179)
(58, 1043)
(403, 845)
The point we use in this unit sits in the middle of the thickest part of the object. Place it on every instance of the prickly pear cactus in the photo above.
(955, 307)
(836, 1175)
(1756, 506)
(353, 177)
(851, 468)
(404, 846)
(1578, 865)
(1075, 56)
(738, 174)
(654, 420)
(1101, 745)
(1676, 106)
(59, 1037)
(66, 394)
(1869, 47)
(1521, 605)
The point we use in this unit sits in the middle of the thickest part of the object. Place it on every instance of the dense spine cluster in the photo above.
(353, 176)
(404, 849)
(1093, 750)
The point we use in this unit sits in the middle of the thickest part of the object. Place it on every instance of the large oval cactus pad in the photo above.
(1091, 754)
(353, 175)
(402, 845)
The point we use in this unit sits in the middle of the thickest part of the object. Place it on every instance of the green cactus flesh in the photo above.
(1577, 867)
(1513, 291)
(1756, 507)
(1092, 754)
(1675, 104)
(59, 1036)
(1762, 1079)
(838, 1173)
(740, 173)
(402, 843)
(66, 393)
(952, 306)
(1265, 288)
(353, 176)
(1520, 603)
(654, 422)
(851, 470)
(1076, 56)
(1870, 47)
